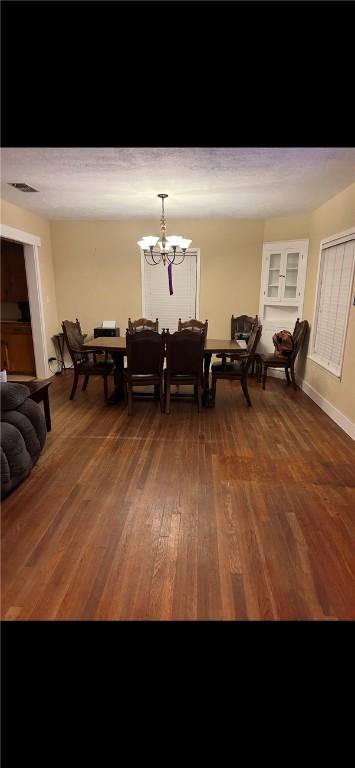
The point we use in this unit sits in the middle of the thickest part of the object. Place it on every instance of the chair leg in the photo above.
(75, 384)
(293, 377)
(167, 396)
(244, 384)
(199, 397)
(86, 381)
(130, 399)
(287, 376)
(161, 397)
(264, 375)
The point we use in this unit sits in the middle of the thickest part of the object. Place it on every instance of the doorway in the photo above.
(30, 244)
(17, 353)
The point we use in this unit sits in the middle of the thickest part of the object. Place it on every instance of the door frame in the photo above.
(31, 243)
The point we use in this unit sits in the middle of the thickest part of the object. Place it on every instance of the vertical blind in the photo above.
(157, 301)
(334, 288)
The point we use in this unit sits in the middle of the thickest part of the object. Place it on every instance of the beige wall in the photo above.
(13, 216)
(287, 228)
(334, 216)
(97, 269)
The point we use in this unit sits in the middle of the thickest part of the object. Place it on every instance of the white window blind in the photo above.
(333, 299)
(156, 299)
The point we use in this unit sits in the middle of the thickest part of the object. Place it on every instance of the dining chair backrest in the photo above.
(299, 335)
(242, 326)
(184, 351)
(193, 325)
(145, 352)
(74, 340)
(143, 324)
(252, 344)
(83, 335)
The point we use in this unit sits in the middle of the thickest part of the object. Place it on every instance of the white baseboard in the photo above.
(328, 408)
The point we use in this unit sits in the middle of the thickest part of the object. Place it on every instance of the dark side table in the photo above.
(38, 393)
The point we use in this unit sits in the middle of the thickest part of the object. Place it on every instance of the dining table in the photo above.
(116, 347)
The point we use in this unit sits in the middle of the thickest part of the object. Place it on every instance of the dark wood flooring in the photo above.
(234, 513)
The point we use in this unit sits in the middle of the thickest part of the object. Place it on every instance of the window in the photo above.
(335, 279)
(184, 302)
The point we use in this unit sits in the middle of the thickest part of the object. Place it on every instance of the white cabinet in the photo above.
(284, 265)
(283, 272)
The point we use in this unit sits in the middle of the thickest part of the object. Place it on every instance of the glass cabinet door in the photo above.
(291, 275)
(273, 279)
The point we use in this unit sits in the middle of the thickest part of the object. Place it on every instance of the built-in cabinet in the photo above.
(283, 273)
(284, 266)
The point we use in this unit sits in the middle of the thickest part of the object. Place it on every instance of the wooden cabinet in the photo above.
(17, 355)
(13, 272)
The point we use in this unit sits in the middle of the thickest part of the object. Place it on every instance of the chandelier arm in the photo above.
(173, 259)
(158, 255)
(152, 263)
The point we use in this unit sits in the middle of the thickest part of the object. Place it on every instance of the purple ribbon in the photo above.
(170, 276)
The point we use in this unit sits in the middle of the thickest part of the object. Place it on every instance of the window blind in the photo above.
(334, 290)
(157, 301)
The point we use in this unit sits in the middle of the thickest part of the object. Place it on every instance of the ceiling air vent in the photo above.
(23, 187)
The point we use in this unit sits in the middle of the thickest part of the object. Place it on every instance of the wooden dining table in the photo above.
(116, 346)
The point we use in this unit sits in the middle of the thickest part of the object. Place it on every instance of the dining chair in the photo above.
(241, 328)
(145, 358)
(84, 361)
(83, 335)
(238, 369)
(143, 324)
(97, 355)
(265, 361)
(193, 325)
(184, 359)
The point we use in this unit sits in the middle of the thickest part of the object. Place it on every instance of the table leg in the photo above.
(207, 398)
(118, 392)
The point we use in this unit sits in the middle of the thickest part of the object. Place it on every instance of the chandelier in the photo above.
(169, 250)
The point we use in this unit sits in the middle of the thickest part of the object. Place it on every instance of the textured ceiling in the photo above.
(104, 183)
